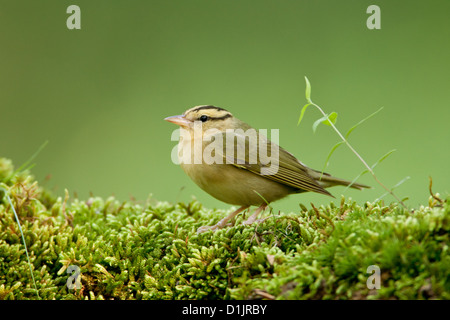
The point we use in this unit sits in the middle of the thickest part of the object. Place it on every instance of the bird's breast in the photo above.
(236, 186)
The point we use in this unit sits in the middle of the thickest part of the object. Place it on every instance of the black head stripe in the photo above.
(228, 115)
(208, 107)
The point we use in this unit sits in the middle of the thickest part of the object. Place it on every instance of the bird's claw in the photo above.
(252, 220)
(206, 228)
(212, 228)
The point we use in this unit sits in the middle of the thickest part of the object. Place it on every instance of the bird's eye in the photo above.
(203, 118)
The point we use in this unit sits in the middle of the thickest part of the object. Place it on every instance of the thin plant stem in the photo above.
(24, 242)
(358, 155)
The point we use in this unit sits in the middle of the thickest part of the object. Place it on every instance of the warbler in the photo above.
(242, 173)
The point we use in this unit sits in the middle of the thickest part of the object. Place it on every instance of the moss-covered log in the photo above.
(126, 250)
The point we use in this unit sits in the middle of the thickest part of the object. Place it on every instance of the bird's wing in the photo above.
(260, 156)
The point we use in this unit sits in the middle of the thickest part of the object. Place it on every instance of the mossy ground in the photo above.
(126, 250)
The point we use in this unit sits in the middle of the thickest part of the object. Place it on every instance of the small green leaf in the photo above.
(26, 165)
(303, 112)
(308, 90)
(366, 118)
(327, 119)
(329, 154)
(372, 167)
(354, 180)
(317, 122)
(331, 118)
(401, 182)
(264, 199)
(383, 157)
(392, 189)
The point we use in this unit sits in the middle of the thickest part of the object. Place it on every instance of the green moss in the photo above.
(129, 251)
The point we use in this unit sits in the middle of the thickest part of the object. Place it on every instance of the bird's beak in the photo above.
(179, 120)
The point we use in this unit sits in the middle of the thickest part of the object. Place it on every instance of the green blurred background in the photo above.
(99, 94)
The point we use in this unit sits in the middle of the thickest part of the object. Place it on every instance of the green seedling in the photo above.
(330, 120)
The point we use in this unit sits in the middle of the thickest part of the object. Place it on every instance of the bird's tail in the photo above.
(326, 180)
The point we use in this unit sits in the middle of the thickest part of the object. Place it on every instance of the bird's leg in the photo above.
(253, 217)
(222, 223)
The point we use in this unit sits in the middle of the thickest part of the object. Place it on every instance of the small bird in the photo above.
(237, 179)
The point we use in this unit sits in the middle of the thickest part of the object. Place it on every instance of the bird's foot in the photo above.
(207, 228)
(253, 219)
(221, 224)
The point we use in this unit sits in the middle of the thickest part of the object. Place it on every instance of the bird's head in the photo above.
(210, 117)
